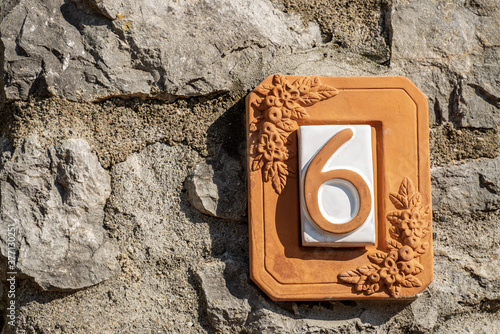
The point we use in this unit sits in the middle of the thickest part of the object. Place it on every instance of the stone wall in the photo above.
(122, 158)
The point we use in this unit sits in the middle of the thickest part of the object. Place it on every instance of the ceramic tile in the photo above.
(338, 198)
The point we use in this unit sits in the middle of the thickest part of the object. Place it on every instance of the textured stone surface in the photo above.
(360, 26)
(225, 311)
(217, 188)
(162, 241)
(451, 144)
(127, 48)
(88, 50)
(55, 198)
(478, 107)
(117, 128)
(145, 185)
(451, 50)
(466, 187)
(202, 190)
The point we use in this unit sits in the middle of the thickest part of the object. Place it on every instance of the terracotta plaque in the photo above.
(339, 188)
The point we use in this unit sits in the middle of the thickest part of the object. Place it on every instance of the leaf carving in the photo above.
(298, 82)
(394, 290)
(282, 168)
(287, 125)
(394, 244)
(278, 80)
(395, 232)
(263, 89)
(326, 92)
(411, 281)
(314, 96)
(417, 269)
(351, 277)
(306, 102)
(377, 257)
(399, 201)
(367, 270)
(279, 177)
(394, 216)
(299, 113)
(285, 136)
(406, 188)
(415, 200)
(258, 162)
(268, 171)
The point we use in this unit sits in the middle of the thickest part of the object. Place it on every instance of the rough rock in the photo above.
(466, 290)
(55, 199)
(51, 48)
(161, 238)
(451, 51)
(359, 26)
(466, 187)
(161, 49)
(471, 242)
(225, 311)
(478, 107)
(449, 143)
(94, 49)
(145, 185)
(202, 191)
(432, 37)
(217, 188)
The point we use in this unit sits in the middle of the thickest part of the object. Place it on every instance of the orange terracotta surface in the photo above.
(399, 265)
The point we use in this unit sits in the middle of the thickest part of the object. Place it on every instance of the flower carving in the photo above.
(278, 108)
(397, 269)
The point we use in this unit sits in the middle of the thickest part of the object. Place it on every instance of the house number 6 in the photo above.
(314, 178)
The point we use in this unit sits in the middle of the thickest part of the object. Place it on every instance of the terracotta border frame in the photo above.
(400, 265)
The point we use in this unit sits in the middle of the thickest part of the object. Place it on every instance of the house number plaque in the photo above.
(339, 188)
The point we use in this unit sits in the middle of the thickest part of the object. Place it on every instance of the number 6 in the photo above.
(314, 178)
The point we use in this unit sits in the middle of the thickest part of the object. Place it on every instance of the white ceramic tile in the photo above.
(339, 199)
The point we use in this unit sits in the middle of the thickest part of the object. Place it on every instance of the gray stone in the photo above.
(92, 50)
(466, 187)
(451, 51)
(105, 48)
(147, 185)
(477, 107)
(55, 199)
(162, 242)
(431, 37)
(217, 188)
(472, 244)
(225, 311)
(202, 191)
(51, 48)
(268, 321)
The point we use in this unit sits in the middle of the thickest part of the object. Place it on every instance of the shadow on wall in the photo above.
(228, 132)
(34, 294)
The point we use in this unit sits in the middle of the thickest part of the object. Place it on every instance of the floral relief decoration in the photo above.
(400, 267)
(279, 107)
